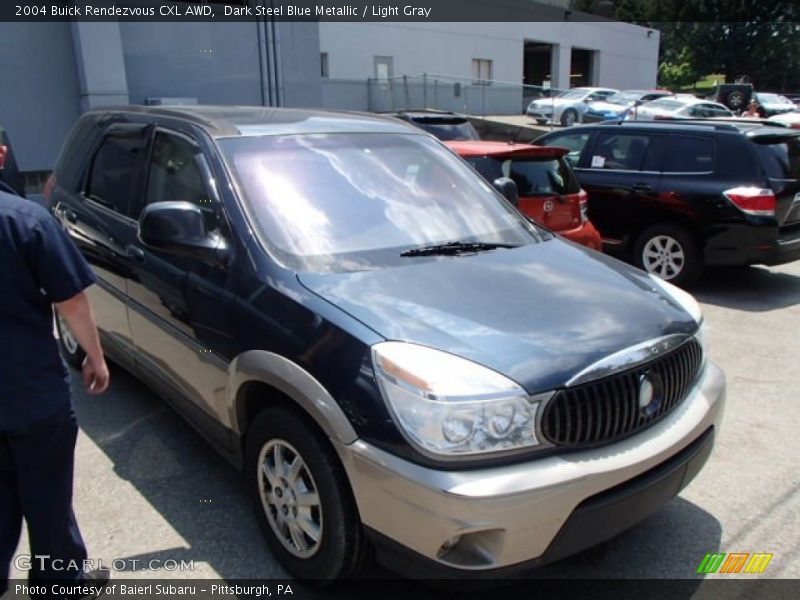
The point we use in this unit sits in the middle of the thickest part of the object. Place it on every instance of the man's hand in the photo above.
(95, 376)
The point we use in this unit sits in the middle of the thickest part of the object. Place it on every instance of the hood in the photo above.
(539, 314)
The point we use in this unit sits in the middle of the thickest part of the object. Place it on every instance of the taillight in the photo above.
(583, 203)
(752, 200)
(49, 185)
(3, 154)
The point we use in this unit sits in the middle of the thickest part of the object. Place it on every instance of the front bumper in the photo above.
(513, 516)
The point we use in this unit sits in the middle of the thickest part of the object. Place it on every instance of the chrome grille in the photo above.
(607, 409)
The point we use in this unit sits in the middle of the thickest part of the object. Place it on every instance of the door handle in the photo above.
(641, 187)
(135, 253)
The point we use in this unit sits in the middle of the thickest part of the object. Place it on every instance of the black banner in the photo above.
(343, 10)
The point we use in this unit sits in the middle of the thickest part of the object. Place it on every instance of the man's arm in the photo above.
(77, 312)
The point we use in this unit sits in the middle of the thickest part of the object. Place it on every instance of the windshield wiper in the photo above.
(452, 248)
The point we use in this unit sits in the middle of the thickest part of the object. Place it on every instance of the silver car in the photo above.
(568, 107)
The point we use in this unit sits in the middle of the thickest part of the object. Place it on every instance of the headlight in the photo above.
(690, 305)
(448, 406)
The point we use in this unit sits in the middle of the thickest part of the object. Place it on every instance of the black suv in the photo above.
(674, 196)
(392, 352)
(446, 126)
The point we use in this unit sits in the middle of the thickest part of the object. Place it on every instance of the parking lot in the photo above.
(148, 488)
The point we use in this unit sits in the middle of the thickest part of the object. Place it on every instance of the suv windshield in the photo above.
(344, 202)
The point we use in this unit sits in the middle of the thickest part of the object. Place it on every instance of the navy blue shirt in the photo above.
(39, 265)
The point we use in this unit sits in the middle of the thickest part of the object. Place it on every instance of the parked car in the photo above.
(618, 105)
(790, 119)
(679, 106)
(444, 125)
(548, 190)
(673, 196)
(734, 96)
(770, 105)
(568, 107)
(10, 178)
(394, 355)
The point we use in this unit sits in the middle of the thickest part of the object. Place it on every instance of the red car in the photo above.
(549, 192)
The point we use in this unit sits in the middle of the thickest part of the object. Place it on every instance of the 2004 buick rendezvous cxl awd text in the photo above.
(397, 358)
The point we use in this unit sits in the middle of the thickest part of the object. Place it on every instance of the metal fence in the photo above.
(457, 94)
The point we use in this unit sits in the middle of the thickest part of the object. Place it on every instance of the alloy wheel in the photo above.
(663, 255)
(290, 498)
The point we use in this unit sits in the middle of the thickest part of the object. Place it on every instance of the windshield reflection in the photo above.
(357, 201)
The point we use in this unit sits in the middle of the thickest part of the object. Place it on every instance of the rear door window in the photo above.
(114, 170)
(688, 154)
(620, 151)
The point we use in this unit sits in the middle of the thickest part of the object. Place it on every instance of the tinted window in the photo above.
(541, 176)
(346, 202)
(113, 170)
(781, 158)
(689, 155)
(174, 173)
(574, 142)
(448, 130)
(624, 151)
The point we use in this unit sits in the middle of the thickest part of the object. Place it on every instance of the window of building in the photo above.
(383, 67)
(323, 65)
(481, 71)
(111, 178)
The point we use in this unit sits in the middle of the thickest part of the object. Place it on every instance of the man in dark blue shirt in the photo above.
(40, 268)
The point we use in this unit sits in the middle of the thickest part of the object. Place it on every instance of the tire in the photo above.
(278, 436)
(569, 117)
(70, 349)
(670, 252)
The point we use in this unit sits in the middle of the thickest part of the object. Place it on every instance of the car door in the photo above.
(620, 172)
(180, 303)
(98, 219)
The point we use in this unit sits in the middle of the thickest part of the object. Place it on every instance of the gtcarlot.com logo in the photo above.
(734, 563)
(44, 562)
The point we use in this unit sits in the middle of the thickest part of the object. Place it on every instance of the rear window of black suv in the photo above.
(780, 157)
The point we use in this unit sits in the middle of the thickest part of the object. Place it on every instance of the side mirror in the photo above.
(179, 228)
(507, 187)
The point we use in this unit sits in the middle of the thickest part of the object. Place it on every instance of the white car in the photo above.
(681, 106)
(790, 119)
(568, 107)
(774, 104)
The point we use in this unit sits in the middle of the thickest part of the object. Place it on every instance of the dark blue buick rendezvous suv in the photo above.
(397, 359)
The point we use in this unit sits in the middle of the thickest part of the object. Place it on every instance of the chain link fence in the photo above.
(456, 94)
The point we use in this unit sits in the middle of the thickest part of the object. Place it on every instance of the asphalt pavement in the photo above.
(149, 489)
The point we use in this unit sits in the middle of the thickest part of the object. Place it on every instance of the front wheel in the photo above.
(669, 252)
(569, 118)
(302, 498)
(68, 344)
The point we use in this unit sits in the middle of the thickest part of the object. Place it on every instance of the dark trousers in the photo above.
(36, 472)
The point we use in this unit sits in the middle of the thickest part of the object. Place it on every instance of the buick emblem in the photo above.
(650, 394)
